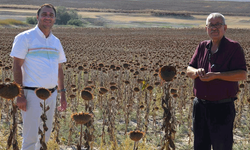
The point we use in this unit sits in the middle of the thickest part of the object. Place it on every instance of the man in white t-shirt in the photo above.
(38, 56)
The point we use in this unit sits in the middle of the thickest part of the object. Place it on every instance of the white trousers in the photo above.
(32, 119)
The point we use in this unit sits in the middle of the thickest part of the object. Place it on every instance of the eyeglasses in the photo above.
(44, 15)
(217, 25)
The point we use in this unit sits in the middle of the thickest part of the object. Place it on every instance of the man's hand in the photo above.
(200, 72)
(63, 104)
(208, 76)
(21, 103)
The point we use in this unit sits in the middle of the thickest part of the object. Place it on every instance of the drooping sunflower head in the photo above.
(150, 88)
(167, 73)
(10, 90)
(43, 93)
(136, 135)
(103, 90)
(86, 95)
(81, 118)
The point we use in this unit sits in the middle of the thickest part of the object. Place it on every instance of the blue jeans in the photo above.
(213, 125)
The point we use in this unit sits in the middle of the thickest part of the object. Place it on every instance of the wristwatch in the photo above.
(62, 90)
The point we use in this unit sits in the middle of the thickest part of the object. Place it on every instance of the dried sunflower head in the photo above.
(7, 80)
(150, 88)
(242, 85)
(87, 88)
(126, 82)
(136, 89)
(10, 90)
(157, 83)
(86, 95)
(81, 118)
(173, 91)
(167, 73)
(139, 81)
(112, 83)
(43, 93)
(113, 88)
(136, 135)
(89, 82)
(112, 98)
(156, 108)
(72, 96)
(125, 65)
(141, 106)
(103, 90)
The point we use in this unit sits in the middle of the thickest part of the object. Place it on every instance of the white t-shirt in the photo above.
(41, 57)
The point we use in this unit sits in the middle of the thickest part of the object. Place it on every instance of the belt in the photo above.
(227, 100)
(34, 88)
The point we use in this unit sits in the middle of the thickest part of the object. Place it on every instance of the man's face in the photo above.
(215, 28)
(46, 18)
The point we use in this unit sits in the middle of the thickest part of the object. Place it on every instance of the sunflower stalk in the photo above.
(103, 126)
(154, 114)
(147, 103)
(45, 128)
(57, 127)
(167, 120)
(71, 128)
(138, 111)
(13, 130)
(111, 121)
(7, 109)
(126, 109)
(89, 133)
(135, 145)
(80, 142)
(104, 110)
(190, 122)
(239, 109)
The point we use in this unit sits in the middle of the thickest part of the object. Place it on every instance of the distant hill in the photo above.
(192, 6)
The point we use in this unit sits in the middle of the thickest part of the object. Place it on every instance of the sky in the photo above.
(231, 0)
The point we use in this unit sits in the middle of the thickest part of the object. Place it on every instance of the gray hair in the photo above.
(216, 15)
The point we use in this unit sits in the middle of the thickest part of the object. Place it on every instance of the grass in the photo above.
(11, 22)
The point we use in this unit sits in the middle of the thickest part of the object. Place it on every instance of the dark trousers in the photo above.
(213, 125)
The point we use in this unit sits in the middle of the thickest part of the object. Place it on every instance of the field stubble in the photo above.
(128, 60)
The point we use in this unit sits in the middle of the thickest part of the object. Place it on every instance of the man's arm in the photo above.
(60, 87)
(236, 75)
(18, 78)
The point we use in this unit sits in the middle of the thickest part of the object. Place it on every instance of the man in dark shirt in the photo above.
(216, 67)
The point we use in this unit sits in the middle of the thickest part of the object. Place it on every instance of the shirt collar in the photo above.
(209, 44)
(41, 33)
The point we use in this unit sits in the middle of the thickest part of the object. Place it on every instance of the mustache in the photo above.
(212, 31)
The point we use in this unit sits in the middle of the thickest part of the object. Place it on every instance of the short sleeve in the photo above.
(62, 57)
(238, 61)
(19, 47)
(193, 62)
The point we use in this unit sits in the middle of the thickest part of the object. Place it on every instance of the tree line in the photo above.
(63, 17)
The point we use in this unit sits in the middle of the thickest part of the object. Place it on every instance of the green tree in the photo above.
(75, 22)
(63, 16)
(73, 15)
(31, 20)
